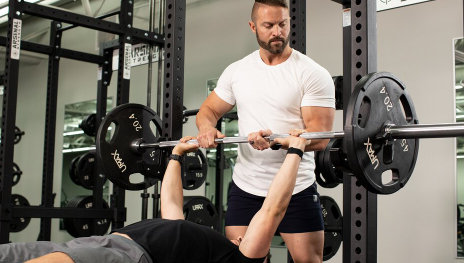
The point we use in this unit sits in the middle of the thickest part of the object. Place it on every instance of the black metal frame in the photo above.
(359, 205)
(359, 59)
(298, 25)
(172, 125)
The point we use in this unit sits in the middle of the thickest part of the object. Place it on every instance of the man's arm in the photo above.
(212, 109)
(172, 195)
(257, 239)
(317, 119)
(56, 257)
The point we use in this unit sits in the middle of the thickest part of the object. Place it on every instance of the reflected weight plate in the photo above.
(85, 170)
(118, 156)
(72, 170)
(382, 166)
(333, 223)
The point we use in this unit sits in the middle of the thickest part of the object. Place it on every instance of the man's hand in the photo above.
(294, 140)
(257, 140)
(206, 137)
(183, 147)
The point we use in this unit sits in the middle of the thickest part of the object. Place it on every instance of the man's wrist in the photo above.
(176, 157)
(297, 151)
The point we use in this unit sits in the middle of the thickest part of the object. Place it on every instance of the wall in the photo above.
(417, 224)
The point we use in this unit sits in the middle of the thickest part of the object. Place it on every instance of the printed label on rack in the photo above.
(127, 60)
(16, 39)
(390, 4)
(139, 55)
(99, 73)
(346, 17)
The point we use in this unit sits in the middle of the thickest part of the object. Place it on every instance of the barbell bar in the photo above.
(380, 137)
(441, 130)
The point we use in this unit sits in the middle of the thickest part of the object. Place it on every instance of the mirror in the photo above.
(78, 148)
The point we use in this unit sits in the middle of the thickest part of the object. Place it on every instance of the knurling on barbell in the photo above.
(381, 136)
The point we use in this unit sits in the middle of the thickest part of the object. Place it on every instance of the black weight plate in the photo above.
(16, 174)
(200, 210)
(333, 223)
(119, 158)
(85, 170)
(89, 125)
(82, 227)
(326, 174)
(338, 83)
(380, 99)
(72, 170)
(18, 135)
(19, 223)
(194, 170)
(335, 174)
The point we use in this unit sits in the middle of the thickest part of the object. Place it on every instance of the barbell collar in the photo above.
(442, 130)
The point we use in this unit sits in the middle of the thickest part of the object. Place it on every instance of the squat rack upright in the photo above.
(359, 59)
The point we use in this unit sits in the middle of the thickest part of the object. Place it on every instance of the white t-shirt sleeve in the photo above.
(319, 89)
(224, 86)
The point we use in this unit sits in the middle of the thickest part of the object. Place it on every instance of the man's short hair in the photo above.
(281, 3)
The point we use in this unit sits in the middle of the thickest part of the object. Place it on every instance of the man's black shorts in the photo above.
(303, 213)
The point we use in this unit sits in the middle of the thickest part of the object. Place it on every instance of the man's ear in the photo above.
(252, 26)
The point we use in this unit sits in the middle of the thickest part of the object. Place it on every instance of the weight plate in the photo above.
(85, 170)
(200, 210)
(333, 223)
(326, 174)
(72, 170)
(89, 125)
(338, 83)
(16, 174)
(382, 166)
(194, 170)
(19, 223)
(82, 227)
(18, 135)
(119, 158)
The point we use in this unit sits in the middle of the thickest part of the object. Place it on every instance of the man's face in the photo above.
(272, 27)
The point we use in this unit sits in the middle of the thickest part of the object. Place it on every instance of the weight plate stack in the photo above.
(82, 227)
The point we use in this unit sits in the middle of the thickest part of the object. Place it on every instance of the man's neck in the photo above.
(275, 59)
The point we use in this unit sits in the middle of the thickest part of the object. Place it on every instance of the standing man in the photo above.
(276, 88)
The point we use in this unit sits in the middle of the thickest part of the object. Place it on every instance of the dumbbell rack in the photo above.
(173, 92)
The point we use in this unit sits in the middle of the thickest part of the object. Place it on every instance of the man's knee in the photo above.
(314, 257)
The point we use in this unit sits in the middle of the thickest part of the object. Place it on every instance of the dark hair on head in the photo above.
(281, 3)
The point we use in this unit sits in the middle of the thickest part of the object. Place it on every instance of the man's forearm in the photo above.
(282, 186)
(172, 193)
(317, 145)
(206, 118)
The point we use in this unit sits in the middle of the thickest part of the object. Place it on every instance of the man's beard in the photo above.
(269, 47)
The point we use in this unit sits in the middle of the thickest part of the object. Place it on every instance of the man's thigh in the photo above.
(305, 247)
(20, 252)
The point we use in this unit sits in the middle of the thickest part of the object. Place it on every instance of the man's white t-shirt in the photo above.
(271, 97)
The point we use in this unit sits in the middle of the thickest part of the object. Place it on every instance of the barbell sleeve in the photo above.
(425, 130)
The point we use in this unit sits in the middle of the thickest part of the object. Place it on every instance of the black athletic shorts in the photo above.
(303, 213)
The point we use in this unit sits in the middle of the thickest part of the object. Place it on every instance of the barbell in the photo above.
(381, 135)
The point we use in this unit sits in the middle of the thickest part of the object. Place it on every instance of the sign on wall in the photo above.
(389, 4)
